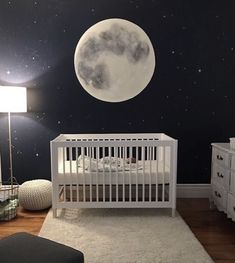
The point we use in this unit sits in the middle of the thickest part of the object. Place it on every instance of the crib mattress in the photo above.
(149, 172)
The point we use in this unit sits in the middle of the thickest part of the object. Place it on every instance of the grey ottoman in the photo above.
(27, 248)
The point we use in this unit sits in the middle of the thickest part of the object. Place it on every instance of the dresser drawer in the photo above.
(233, 162)
(232, 183)
(220, 175)
(221, 157)
(219, 196)
(231, 206)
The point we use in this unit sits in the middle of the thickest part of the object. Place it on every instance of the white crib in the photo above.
(114, 171)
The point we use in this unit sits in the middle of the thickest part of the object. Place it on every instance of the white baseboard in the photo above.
(193, 190)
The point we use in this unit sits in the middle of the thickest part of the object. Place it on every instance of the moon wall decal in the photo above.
(114, 60)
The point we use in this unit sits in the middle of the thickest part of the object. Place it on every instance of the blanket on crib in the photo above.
(107, 164)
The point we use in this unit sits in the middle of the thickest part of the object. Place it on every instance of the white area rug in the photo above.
(125, 236)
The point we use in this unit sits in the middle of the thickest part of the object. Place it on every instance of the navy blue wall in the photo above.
(190, 97)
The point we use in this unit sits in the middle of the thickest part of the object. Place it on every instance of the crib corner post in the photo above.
(173, 212)
(211, 202)
(54, 212)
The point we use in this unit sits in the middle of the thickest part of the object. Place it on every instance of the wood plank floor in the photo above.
(25, 221)
(212, 228)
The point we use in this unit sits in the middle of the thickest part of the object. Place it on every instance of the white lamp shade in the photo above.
(13, 99)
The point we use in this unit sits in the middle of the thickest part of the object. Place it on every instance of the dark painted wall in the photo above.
(190, 97)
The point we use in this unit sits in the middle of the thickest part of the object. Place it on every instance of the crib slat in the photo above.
(120, 156)
(116, 160)
(137, 175)
(83, 173)
(93, 177)
(90, 183)
(70, 175)
(97, 186)
(103, 154)
(163, 174)
(64, 186)
(123, 174)
(143, 162)
(130, 172)
(110, 176)
(147, 174)
(77, 186)
(156, 172)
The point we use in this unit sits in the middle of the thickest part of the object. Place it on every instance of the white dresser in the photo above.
(223, 178)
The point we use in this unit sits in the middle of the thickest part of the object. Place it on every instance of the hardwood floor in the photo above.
(212, 228)
(25, 221)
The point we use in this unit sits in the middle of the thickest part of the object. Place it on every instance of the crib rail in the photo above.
(114, 172)
(116, 137)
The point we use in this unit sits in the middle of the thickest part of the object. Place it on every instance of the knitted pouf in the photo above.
(35, 194)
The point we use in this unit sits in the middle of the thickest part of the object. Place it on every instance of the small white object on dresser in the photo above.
(223, 178)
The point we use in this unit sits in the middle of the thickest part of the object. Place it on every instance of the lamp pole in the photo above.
(12, 99)
(10, 148)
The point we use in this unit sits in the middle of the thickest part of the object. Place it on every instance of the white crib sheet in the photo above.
(145, 172)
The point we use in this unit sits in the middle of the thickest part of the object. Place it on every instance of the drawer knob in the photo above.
(220, 175)
(219, 157)
(217, 194)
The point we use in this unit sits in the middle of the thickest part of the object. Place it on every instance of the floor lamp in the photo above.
(12, 99)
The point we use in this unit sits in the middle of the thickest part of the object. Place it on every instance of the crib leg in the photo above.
(173, 212)
(211, 203)
(54, 211)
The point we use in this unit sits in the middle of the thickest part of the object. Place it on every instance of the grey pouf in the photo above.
(35, 194)
(27, 248)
